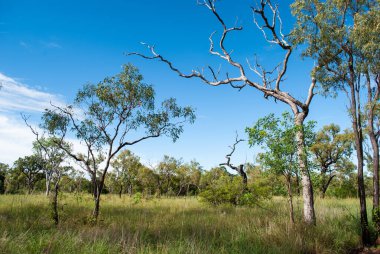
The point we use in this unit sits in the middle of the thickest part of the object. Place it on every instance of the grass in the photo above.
(172, 225)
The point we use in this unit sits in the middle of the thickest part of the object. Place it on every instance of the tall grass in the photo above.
(178, 225)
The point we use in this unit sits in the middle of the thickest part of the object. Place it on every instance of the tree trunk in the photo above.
(358, 135)
(97, 191)
(242, 173)
(120, 191)
(307, 187)
(48, 179)
(130, 190)
(375, 209)
(30, 186)
(325, 184)
(54, 204)
(375, 150)
(96, 208)
(290, 198)
(180, 190)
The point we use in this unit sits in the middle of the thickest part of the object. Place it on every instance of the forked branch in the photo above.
(272, 30)
(239, 169)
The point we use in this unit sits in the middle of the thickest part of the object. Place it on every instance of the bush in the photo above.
(227, 190)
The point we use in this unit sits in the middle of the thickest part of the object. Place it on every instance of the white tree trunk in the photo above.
(307, 187)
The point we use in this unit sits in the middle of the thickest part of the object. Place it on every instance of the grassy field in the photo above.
(178, 225)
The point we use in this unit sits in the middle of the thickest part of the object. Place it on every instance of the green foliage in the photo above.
(137, 198)
(107, 115)
(338, 34)
(224, 190)
(4, 168)
(332, 151)
(277, 138)
(220, 187)
(30, 169)
(126, 167)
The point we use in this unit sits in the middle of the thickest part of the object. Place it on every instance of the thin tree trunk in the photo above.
(48, 179)
(325, 185)
(99, 188)
(376, 208)
(307, 187)
(54, 203)
(130, 190)
(97, 191)
(358, 135)
(375, 150)
(240, 170)
(30, 186)
(180, 190)
(120, 191)
(96, 208)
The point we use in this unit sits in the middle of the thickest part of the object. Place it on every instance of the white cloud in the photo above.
(51, 45)
(24, 44)
(15, 139)
(15, 96)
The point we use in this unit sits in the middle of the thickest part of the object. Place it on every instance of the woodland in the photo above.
(309, 190)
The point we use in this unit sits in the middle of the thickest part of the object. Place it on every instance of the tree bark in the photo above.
(120, 190)
(325, 184)
(54, 203)
(98, 186)
(375, 208)
(96, 207)
(48, 180)
(358, 136)
(375, 151)
(307, 187)
(240, 170)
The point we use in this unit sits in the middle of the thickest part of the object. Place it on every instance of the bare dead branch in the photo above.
(273, 27)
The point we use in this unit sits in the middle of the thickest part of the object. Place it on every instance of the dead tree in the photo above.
(270, 84)
(239, 169)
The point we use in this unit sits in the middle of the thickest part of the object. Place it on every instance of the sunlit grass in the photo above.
(172, 225)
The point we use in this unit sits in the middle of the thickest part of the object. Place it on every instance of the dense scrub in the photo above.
(172, 225)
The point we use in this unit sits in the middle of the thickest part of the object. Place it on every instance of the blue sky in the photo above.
(50, 48)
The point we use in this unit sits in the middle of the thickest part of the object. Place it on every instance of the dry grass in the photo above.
(178, 225)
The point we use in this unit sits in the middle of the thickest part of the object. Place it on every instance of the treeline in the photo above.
(173, 177)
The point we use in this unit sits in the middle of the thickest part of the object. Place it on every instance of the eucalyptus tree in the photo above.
(270, 84)
(54, 157)
(277, 137)
(31, 168)
(148, 181)
(54, 169)
(188, 175)
(195, 175)
(167, 172)
(329, 32)
(331, 149)
(126, 166)
(106, 117)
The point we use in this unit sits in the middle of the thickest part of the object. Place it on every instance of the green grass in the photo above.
(178, 225)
